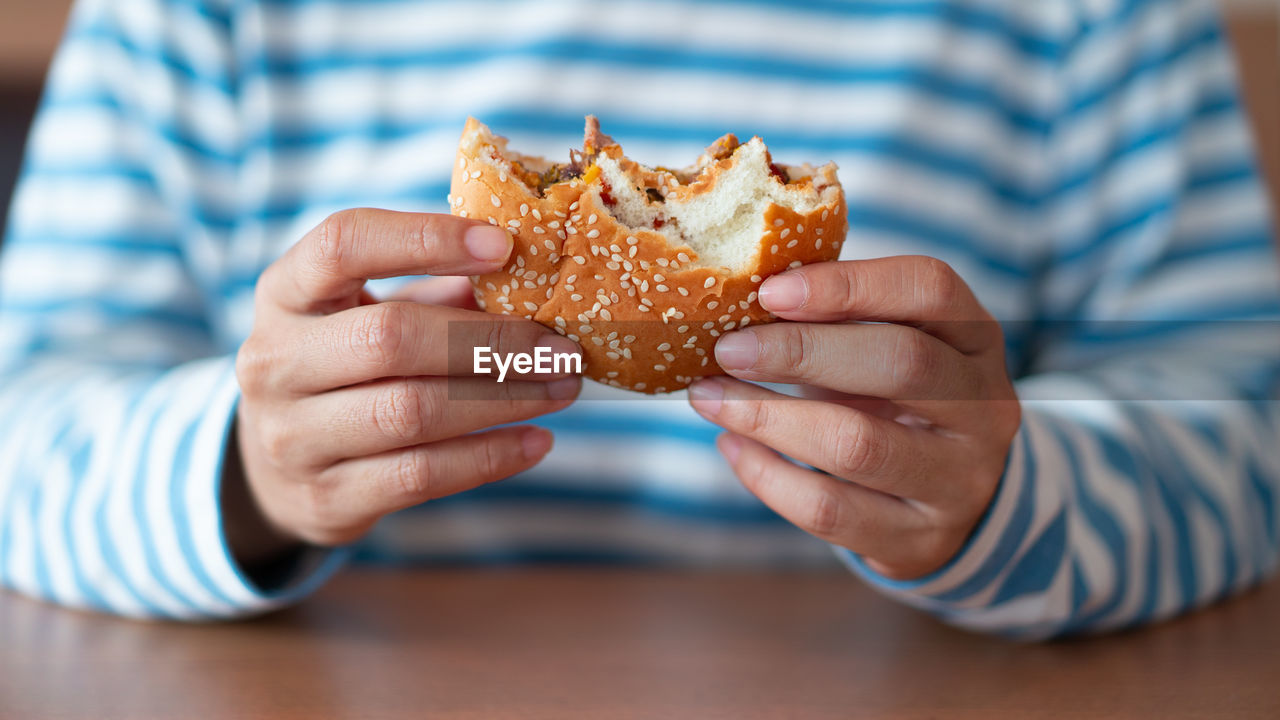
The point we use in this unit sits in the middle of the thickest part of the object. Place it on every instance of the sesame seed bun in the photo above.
(644, 267)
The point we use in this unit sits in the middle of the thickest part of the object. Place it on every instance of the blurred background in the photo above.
(29, 32)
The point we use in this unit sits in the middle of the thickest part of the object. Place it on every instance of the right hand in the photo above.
(346, 413)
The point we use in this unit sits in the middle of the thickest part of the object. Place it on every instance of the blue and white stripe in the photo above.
(1084, 165)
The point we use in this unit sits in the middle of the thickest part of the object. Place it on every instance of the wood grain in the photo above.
(590, 643)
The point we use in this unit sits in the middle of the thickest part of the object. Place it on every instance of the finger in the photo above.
(911, 289)
(862, 520)
(377, 417)
(394, 339)
(373, 486)
(872, 452)
(332, 262)
(889, 361)
(449, 291)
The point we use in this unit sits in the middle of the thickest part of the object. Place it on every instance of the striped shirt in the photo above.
(1083, 164)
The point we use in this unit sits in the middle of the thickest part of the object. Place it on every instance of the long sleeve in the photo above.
(115, 403)
(1145, 479)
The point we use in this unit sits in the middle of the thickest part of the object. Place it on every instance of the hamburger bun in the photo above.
(644, 267)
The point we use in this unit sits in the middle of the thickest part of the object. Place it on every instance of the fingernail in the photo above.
(564, 388)
(487, 243)
(535, 443)
(558, 344)
(784, 292)
(706, 397)
(738, 350)
(730, 446)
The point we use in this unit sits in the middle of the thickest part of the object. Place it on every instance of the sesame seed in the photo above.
(631, 240)
(554, 224)
(497, 202)
(710, 283)
(574, 206)
(715, 333)
(604, 299)
(708, 325)
(632, 251)
(682, 329)
(779, 222)
(795, 264)
(613, 355)
(599, 342)
(537, 215)
(539, 231)
(550, 245)
(463, 214)
(593, 233)
(528, 285)
(825, 213)
(475, 174)
(508, 307)
(662, 288)
(682, 291)
(502, 176)
(800, 229)
(579, 259)
(626, 353)
(817, 244)
(659, 367)
(628, 339)
(560, 234)
(520, 261)
(663, 262)
(682, 257)
(704, 362)
(793, 243)
(598, 276)
(730, 325)
(713, 304)
(491, 286)
(560, 321)
(640, 386)
(524, 209)
(614, 344)
(611, 374)
(693, 339)
(700, 352)
(585, 329)
(755, 278)
(559, 214)
(533, 249)
(626, 264)
(774, 250)
(591, 219)
(669, 357)
(616, 257)
(604, 313)
(659, 277)
(643, 308)
(784, 234)
(752, 296)
(644, 286)
(724, 317)
(646, 301)
(613, 265)
(503, 298)
(542, 279)
(530, 274)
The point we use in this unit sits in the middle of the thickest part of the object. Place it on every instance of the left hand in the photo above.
(911, 412)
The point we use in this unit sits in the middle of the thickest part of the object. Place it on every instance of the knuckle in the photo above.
(411, 474)
(321, 521)
(253, 367)
(274, 438)
(913, 361)
(748, 417)
(400, 412)
(490, 461)
(825, 515)
(858, 448)
(378, 332)
(332, 239)
(938, 286)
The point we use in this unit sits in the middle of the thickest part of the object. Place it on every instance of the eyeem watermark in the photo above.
(541, 362)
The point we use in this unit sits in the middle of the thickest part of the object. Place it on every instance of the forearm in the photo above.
(109, 490)
(1115, 511)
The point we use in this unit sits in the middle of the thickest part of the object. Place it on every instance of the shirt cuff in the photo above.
(229, 592)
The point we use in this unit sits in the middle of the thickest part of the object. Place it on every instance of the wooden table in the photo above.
(593, 643)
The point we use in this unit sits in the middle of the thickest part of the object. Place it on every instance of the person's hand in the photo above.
(908, 408)
(348, 410)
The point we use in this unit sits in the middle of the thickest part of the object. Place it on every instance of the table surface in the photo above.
(593, 643)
